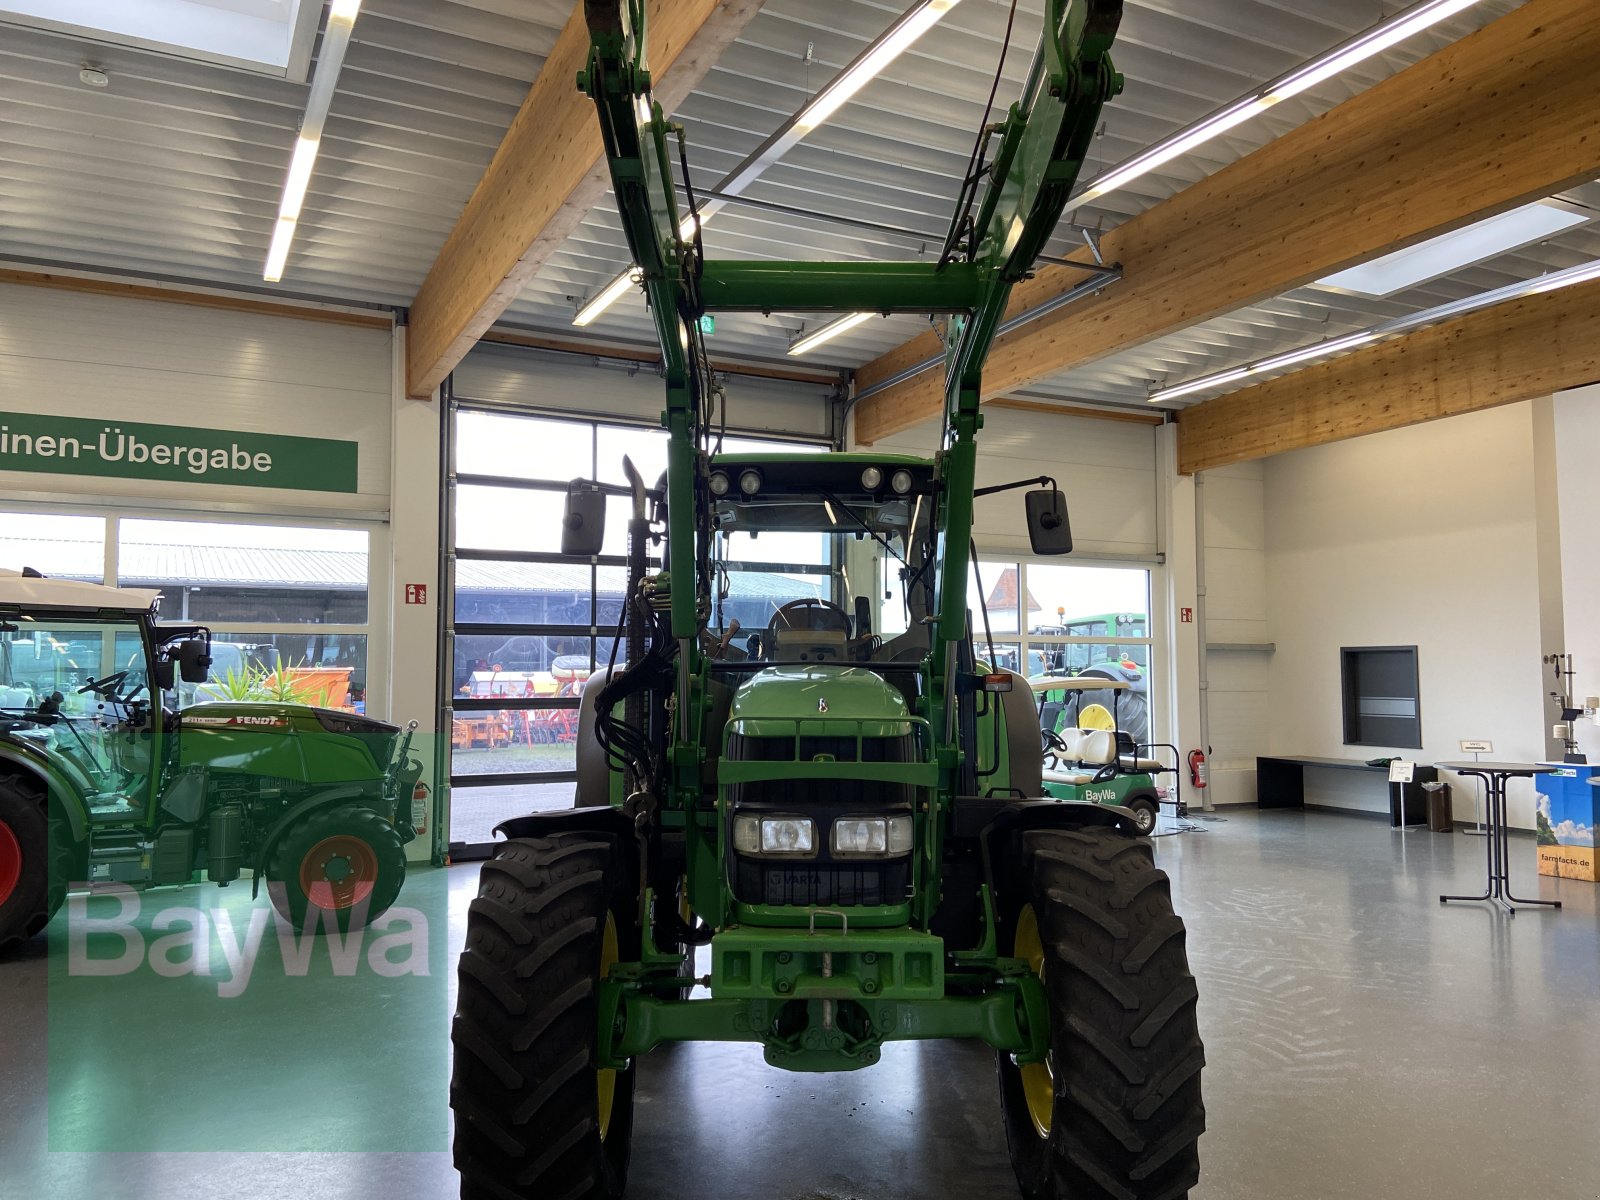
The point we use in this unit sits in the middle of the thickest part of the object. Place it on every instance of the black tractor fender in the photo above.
(323, 799)
(602, 820)
(998, 837)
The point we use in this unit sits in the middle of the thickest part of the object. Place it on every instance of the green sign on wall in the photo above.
(174, 453)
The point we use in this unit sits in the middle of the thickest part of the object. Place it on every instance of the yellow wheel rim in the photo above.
(606, 1081)
(1038, 1081)
(1096, 716)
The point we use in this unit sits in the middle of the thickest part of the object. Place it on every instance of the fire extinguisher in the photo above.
(419, 808)
(1197, 768)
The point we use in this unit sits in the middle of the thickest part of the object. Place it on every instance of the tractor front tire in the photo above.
(1114, 1113)
(535, 1116)
(340, 867)
(32, 886)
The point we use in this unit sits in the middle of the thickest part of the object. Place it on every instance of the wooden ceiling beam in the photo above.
(547, 174)
(1515, 351)
(1503, 117)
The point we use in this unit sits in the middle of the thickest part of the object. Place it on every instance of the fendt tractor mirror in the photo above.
(166, 675)
(583, 524)
(1049, 531)
(194, 660)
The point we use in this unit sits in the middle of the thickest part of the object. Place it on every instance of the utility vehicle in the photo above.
(845, 815)
(101, 781)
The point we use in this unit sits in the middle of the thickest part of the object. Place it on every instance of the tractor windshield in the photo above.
(82, 686)
(811, 556)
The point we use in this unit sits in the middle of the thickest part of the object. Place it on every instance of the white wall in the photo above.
(1106, 468)
(117, 358)
(1424, 536)
(1237, 670)
(581, 386)
(1577, 438)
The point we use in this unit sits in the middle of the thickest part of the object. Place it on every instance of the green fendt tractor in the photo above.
(841, 810)
(101, 782)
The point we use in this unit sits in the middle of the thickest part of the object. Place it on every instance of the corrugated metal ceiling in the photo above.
(175, 169)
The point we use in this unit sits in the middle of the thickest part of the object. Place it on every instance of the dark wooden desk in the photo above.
(1281, 783)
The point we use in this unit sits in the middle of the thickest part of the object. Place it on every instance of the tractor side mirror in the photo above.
(166, 675)
(583, 523)
(1049, 531)
(194, 661)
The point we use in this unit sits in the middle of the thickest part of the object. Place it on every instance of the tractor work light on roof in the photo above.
(1358, 49)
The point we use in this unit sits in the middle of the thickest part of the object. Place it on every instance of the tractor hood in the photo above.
(780, 696)
(289, 741)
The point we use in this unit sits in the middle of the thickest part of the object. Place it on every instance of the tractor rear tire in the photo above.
(535, 1116)
(35, 860)
(1115, 1112)
(340, 866)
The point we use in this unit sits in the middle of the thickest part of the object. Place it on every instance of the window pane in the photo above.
(523, 447)
(327, 670)
(999, 592)
(515, 593)
(1107, 602)
(520, 665)
(475, 811)
(496, 518)
(223, 572)
(39, 658)
(646, 447)
(513, 742)
(753, 596)
(69, 547)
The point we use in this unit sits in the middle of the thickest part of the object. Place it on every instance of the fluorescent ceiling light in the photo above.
(335, 41)
(888, 46)
(606, 297)
(828, 332)
(270, 37)
(1452, 251)
(1554, 281)
(868, 65)
(1358, 49)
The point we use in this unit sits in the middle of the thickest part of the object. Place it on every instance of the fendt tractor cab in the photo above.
(101, 781)
(839, 806)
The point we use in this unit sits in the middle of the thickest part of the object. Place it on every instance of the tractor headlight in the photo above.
(871, 479)
(775, 835)
(900, 481)
(750, 482)
(876, 837)
(718, 484)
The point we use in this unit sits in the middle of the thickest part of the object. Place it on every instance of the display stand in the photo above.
(1494, 776)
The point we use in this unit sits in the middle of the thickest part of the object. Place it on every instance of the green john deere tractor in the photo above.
(842, 808)
(101, 782)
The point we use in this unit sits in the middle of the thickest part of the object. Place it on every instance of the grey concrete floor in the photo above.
(1363, 1041)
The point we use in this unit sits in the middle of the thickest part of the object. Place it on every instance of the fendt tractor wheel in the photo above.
(1115, 1111)
(29, 897)
(535, 1117)
(347, 863)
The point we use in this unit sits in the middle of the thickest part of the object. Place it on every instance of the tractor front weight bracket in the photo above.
(826, 1001)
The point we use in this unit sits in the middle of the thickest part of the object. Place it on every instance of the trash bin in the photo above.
(1440, 818)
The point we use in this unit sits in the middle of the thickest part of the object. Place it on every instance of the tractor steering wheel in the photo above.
(812, 613)
(106, 688)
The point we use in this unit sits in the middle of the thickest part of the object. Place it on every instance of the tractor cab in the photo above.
(833, 536)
